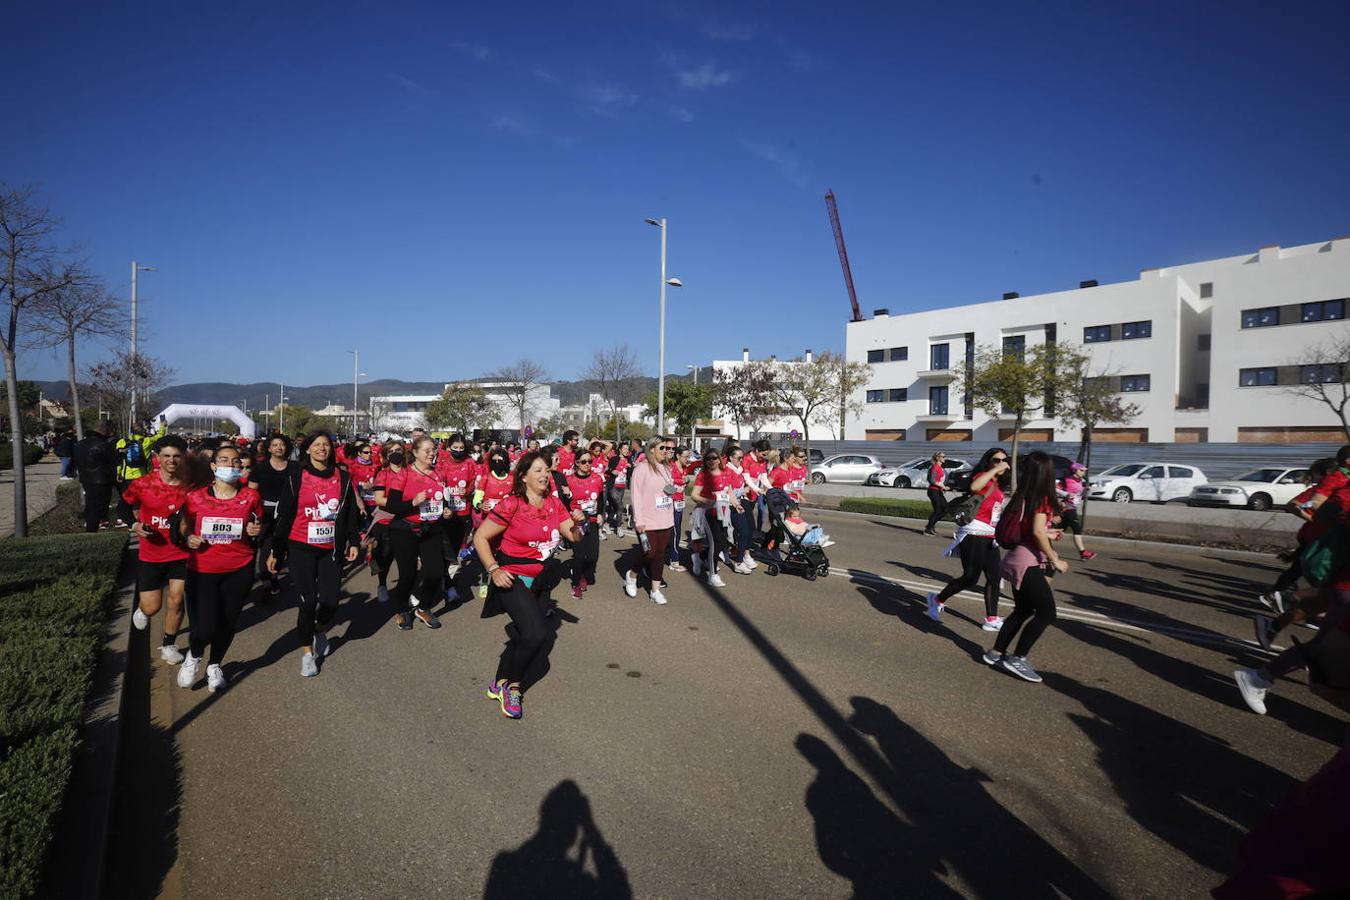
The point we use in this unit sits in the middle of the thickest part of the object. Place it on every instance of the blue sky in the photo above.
(453, 187)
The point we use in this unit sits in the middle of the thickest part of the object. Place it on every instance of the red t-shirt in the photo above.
(531, 533)
(709, 484)
(992, 505)
(621, 472)
(677, 476)
(1333, 487)
(753, 468)
(413, 482)
(586, 493)
(566, 460)
(791, 479)
(459, 478)
(316, 510)
(935, 475)
(222, 523)
(730, 480)
(363, 473)
(155, 502)
(494, 489)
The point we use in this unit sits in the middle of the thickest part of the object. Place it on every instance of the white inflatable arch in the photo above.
(177, 411)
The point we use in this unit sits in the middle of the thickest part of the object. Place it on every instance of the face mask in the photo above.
(459, 455)
(396, 458)
(499, 467)
(228, 475)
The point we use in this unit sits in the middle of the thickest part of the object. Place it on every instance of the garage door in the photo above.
(1120, 435)
(1283, 435)
(1028, 434)
(1192, 436)
(884, 434)
(950, 434)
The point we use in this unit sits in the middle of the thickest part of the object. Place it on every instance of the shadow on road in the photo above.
(566, 857)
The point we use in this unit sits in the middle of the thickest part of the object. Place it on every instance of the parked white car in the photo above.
(846, 468)
(914, 473)
(1258, 489)
(1153, 481)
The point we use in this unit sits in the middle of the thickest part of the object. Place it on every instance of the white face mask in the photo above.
(228, 474)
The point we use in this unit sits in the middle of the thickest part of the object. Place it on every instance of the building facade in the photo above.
(774, 424)
(1207, 352)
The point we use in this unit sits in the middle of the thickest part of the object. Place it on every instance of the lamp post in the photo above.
(356, 365)
(661, 355)
(135, 270)
(693, 420)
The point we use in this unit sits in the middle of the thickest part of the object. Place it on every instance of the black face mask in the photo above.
(396, 458)
(499, 466)
(459, 455)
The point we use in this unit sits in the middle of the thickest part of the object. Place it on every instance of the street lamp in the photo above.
(356, 360)
(135, 269)
(661, 356)
(693, 421)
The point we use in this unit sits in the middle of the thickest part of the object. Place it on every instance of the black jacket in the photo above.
(65, 445)
(95, 460)
(348, 516)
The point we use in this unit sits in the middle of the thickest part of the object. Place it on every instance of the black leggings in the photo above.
(1033, 601)
(1290, 576)
(715, 538)
(979, 556)
(939, 501)
(214, 601)
(528, 638)
(456, 529)
(586, 554)
(614, 506)
(384, 553)
(742, 525)
(317, 575)
(409, 547)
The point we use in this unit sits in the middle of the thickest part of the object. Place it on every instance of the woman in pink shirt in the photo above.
(652, 490)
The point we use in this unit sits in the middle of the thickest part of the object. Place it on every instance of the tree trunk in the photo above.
(16, 444)
(1017, 440)
(806, 437)
(74, 388)
(1087, 444)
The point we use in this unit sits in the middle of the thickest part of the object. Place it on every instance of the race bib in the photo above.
(546, 548)
(221, 530)
(368, 497)
(662, 501)
(998, 512)
(457, 503)
(488, 505)
(621, 480)
(431, 510)
(679, 505)
(321, 533)
(588, 507)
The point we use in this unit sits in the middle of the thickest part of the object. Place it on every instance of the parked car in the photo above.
(1258, 489)
(960, 481)
(1152, 481)
(846, 468)
(914, 473)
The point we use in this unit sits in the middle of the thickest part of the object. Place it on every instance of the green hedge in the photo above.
(886, 506)
(31, 454)
(67, 516)
(55, 596)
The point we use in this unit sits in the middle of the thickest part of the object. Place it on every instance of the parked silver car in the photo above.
(914, 473)
(846, 468)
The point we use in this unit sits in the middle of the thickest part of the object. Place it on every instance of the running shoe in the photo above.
(494, 689)
(935, 608)
(741, 568)
(630, 586)
(427, 619)
(584, 585)
(1265, 630)
(576, 591)
(170, 654)
(309, 667)
(321, 646)
(750, 561)
(187, 672)
(140, 619)
(675, 567)
(1018, 665)
(383, 594)
(1277, 598)
(715, 580)
(215, 678)
(404, 621)
(827, 543)
(1087, 554)
(992, 657)
(1253, 687)
(413, 601)
(992, 623)
(510, 700)
(659, 598)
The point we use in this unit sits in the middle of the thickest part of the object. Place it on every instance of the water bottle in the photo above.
(646, 544)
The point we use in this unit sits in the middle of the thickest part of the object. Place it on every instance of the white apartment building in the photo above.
(1206, 350)
(403, 412)
(775, 426)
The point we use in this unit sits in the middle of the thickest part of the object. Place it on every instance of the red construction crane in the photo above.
(843, 254)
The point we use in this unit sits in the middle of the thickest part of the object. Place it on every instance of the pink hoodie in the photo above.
(647, 490)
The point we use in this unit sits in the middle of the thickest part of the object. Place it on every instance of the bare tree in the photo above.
(1323, 370)
(111, 381)
(744, 394)
(30, 268)
(614, 372)
(811, 391)
(82, 310)
(520, 384)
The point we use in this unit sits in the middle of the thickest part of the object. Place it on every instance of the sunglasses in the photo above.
(999, 459)
(666, 448)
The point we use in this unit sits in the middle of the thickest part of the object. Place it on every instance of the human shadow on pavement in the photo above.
(566, 857)
(908, 607)
(922, 572)
(1187, 787)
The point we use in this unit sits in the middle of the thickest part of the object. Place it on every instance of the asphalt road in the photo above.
(778, 738)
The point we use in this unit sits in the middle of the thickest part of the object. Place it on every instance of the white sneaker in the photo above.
(187, 672)
(741, 568)
(139, 619)
(452, 571)
(384, 594)
(659, 598)
(751, 562)
(630, 586)
(170, 654)
(827, 543)
(308, 667)
(413, 601)
(1253, 688)
(696, 564)
(993, 624)
(215, 678)
(934, 608)
(715, 580)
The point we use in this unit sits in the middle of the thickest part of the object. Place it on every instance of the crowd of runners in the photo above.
(452, 521)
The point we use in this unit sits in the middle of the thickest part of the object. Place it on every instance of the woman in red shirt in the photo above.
(679, 469)
(790, 474)
(616, 486)
(219, 525)
(460, 474)
(394, 456)
(494, 482)
(160, 563)
(419, 501)
(516, 544)
(974, 542)
(586, 491)
(712, 518)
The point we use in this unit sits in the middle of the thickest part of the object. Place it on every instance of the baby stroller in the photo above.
(785, 550)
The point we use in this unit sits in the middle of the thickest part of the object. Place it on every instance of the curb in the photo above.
(83, 829)
(1134, 543)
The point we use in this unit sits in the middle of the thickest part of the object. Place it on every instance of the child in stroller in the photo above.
(787, 550)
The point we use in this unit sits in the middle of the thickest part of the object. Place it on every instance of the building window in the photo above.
(1015, 345)
(1261, 318)
(899, 354)
(1326, 311)
(939, 357)
(876, 356)
(1096, 333)
(898, 395)
(1131, 384)
(1131, 330)
(1206, 290)
(875, 396)
(1202, 342)
(1326, 373)
(1258, 377)
(937, 400)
